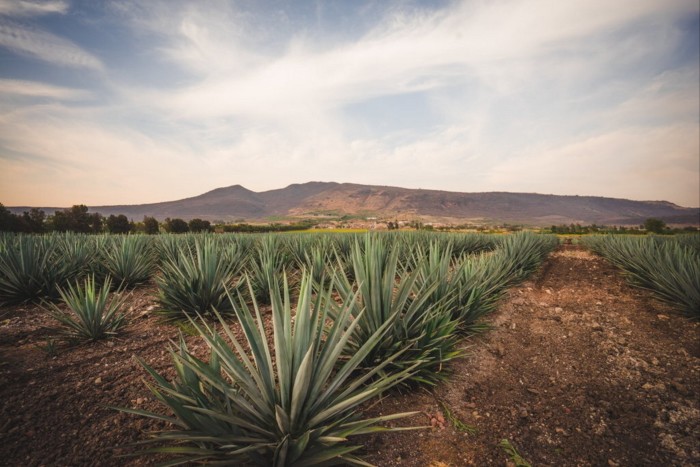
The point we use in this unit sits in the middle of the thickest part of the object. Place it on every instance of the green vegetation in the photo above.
(351, 316)
(32, 221)
(91, 314)
(194, 278)
(150, 225)
(668, 267)
(651, 225)
(33, 267)
(522, 253)
(513, 453)
(373, 311)
(50, 348)
(175, 225)
(265, 268)
(266, 228)
(421, 329)
(129, 260)
(456, 422)
(654, 225)
(199, 225)
(76, 219)
(118, 224)
(290, 403)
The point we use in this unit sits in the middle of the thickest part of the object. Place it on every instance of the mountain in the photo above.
(330, 199)
(227, 203)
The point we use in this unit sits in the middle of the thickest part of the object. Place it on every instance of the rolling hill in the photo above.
(330, 199)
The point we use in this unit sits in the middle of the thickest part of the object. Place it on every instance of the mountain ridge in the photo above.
(328, 199)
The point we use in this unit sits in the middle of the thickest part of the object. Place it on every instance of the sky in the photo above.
(127, 102)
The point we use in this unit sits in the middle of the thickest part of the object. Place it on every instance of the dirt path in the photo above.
(580, 369)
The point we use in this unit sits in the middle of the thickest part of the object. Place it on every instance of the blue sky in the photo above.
(126, 102)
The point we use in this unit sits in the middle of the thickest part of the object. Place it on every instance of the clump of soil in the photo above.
(578, 369)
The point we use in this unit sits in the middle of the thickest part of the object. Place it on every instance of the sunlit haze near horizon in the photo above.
(129, 102)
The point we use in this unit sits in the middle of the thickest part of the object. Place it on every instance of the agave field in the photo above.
(669, 267)
(287, 341)
(325, 324)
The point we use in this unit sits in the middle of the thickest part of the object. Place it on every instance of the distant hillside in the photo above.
(337, 199)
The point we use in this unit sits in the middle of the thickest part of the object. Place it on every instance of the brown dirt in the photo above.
(579, 369)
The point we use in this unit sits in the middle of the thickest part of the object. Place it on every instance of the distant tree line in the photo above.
(651, 225)
(73, 219)
(263, 228)
(78, 219)
(180, 226)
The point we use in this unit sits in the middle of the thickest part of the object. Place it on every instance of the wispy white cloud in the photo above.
(35, 89)
(501, 44)
(32, 8)
(46, 46)
(659, 163)
(520, 96)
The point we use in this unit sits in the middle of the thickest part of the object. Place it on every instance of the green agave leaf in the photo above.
(224, 406)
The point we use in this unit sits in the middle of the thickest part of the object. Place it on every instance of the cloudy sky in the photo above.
(143, 101)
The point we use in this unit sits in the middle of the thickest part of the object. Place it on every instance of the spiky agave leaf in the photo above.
(129, 260)
(479, 283)
(265, 268)
(522, 254)
(25, 268)
(435, 264)
(298, 409)
(420, 325)
(195, 281)
(32, 267)
(482, 279)
(670, 269)
(317, 260)
(77, 254)
(467, 244)
(92, 314)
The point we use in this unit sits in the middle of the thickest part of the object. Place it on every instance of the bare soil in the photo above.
(578, 369)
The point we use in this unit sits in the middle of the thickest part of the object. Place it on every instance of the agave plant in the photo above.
(195, 281)
(435, 265)
(522, 253)
(25, 269)
(464, 244)
(33, 267)
(77, 254)
(91, 314)
(316, 260)
(673, 273)
(265, 268)
(670, 269)
(342, 245)
(479, 283)
(129, 260)
(168, 246)
(420, 325)
(292, 402)
(295, 246)
(691, 241)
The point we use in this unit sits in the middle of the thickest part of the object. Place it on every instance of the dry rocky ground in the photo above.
(578, 369)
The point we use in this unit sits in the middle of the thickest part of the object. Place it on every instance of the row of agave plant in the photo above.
(364, 322)
(372, 312)
(37, 267)
(34, 267)
(668, 266)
